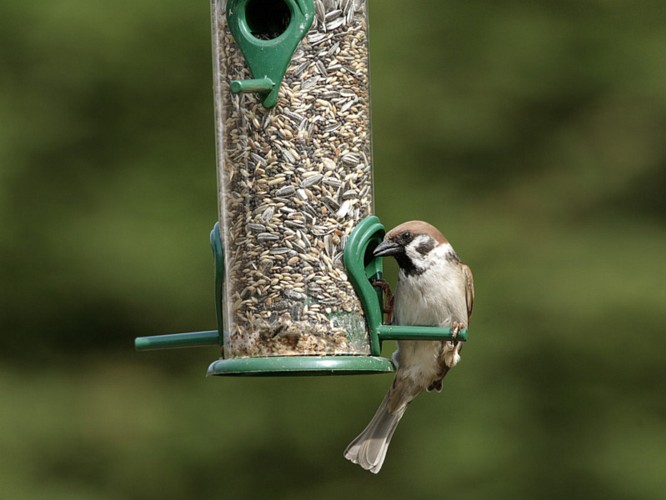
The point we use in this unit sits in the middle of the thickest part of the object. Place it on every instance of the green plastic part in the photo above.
(175, 340)
(301, 365)
(195, 339)
(362, 268)
(259, 85)
(218, 256)
(268, 33)
(401, 332)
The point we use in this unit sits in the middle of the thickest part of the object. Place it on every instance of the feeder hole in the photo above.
(267, 19)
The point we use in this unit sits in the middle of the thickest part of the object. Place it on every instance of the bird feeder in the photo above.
(294, 269)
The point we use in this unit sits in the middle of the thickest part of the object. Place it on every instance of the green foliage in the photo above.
(531, 133)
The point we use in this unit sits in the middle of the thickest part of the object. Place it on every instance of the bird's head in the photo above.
(411, 243)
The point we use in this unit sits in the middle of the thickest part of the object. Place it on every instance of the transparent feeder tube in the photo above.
(294, 180)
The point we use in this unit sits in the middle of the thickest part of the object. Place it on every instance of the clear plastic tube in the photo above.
(293, 182)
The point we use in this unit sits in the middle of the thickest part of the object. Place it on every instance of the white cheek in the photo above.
(443, 249)
(416, 258)
(419, 260)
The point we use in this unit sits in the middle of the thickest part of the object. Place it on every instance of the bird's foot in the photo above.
(452, 347)
(455, 329)
(387, 306)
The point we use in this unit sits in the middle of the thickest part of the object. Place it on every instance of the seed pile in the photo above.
(294, 181)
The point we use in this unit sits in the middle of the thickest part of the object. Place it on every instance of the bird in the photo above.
(434, 288)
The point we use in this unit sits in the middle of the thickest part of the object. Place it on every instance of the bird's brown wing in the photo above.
(469, 291)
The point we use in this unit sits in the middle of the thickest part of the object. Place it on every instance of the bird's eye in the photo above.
(407, 235)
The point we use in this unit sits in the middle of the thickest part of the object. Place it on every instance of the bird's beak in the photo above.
(386, 248)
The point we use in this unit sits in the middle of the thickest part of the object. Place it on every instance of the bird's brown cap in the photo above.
(417, 227)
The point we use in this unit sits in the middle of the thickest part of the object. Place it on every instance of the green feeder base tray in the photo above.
(301, 365)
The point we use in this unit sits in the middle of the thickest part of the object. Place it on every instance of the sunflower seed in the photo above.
(346, 106)
(294, 223)
(310, 83)
(302, 194)
(285, 191)
(311, 181)
(330, 203)
(351, 159)
(335, 24)
(332, 181)
(267, 237)
(278, 251)
(267, 215)
(344, 209)
(294, 295)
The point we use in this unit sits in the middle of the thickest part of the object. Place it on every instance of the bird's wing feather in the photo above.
(469, 290)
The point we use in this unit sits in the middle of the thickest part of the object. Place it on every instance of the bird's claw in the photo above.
(455, 329)
(387, 305)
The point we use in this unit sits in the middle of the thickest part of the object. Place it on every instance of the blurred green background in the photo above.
(531, 133)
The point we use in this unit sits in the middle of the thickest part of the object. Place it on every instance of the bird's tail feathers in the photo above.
(369, 448)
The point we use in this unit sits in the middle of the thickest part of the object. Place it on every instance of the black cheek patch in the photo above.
(425, 247)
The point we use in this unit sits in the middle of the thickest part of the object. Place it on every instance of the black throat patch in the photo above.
(407, 265)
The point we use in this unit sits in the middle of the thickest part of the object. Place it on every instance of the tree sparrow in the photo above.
(434, 289)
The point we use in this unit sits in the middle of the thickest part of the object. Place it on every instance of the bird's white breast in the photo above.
(436, 297)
